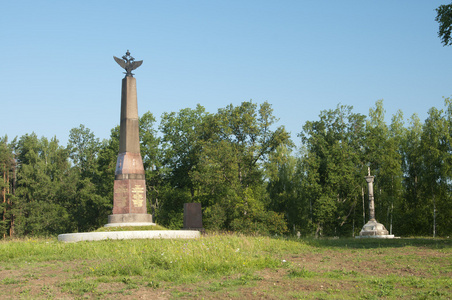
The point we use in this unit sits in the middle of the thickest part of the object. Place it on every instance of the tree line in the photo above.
(246, 172)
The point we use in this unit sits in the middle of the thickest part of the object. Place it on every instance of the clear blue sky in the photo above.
(301, 56)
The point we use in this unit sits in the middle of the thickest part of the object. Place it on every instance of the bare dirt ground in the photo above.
(323, 274)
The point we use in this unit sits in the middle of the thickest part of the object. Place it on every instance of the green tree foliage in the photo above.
(180, 153)
(180, 143)
(83, 147)
(444, 18)
(107, 156)
(435, 173)
(393, 171)
(237, 142)
(90, 208)
(412, 166)
(152, 160)
(7, 185)
(411, 212)
(384, 158)
(332, 168)
(42, 206)
(240, 166)
(284, 188)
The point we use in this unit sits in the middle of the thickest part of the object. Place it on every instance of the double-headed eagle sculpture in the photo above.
(128, 63)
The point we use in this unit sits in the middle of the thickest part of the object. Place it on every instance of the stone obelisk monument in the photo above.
(129, 201)
(372, 229)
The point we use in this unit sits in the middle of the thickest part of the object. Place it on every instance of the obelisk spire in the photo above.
(129, 203)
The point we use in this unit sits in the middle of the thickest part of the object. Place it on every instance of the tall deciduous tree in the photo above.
(411, 213)
(107, 156)
(83, 147)
(444, 18)
(180, 153)
(181, 135)
(7, 185)
(152, 159)
(384, 158)
(236, 142)
(42, 200)
(435, 175)
(90, 207)
(284, 187)
(394, 170)
(333, 168)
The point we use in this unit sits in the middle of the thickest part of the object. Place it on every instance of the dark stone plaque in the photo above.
(192, 216)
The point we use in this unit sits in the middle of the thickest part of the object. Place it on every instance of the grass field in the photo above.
(227, 266)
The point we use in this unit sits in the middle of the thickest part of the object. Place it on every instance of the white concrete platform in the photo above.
(129, 224)
(129, 235)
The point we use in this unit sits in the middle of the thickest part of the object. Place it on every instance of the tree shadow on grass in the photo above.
(370, 243)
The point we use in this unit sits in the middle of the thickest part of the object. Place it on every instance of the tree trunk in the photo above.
(434, 217)
(318, 230)
(13, 192)
(4, 197)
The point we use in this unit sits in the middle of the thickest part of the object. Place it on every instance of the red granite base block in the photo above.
(129, 196)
